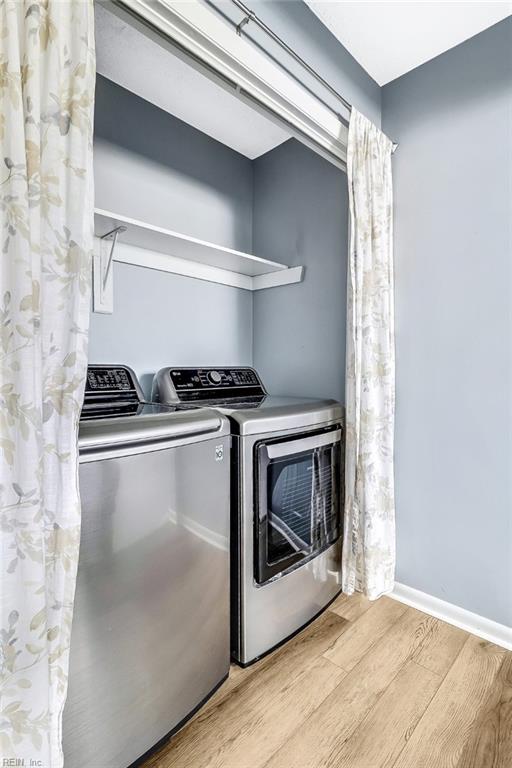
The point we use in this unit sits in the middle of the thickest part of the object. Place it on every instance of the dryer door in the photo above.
(298, 500)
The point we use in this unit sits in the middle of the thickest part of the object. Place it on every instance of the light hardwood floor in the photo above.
(367, 685)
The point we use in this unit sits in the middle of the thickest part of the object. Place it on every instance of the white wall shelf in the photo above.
(156, 248)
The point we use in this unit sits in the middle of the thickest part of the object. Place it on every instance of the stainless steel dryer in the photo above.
(150, 636)
(286, 504)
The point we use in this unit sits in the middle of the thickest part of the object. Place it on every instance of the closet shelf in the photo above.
(168, 251)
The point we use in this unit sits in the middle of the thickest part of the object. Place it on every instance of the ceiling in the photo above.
(131, 59)
(389, 39)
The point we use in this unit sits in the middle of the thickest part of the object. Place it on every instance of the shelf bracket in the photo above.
(112, 235)
(103, 289)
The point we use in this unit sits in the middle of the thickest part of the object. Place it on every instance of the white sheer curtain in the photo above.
(369, 535)
(47, 76)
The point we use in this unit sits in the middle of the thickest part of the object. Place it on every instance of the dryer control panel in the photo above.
(195, 384)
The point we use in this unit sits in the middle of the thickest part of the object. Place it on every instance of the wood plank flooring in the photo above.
(367, 685)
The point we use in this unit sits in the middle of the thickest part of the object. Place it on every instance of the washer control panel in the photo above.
(110, 382)
(210, 383)
(108, 378)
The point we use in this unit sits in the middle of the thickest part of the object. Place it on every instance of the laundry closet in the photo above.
(179, 151)
(211, 492)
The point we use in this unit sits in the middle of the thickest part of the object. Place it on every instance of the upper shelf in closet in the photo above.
(179, 88)
(169, 251)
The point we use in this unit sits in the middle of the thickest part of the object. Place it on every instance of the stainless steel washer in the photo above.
(287, 490)
(150, 637)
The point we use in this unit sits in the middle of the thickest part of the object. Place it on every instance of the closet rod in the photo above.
(251, 16)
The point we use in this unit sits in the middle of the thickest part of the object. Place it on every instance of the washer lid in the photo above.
(151, 424)
(274, 414)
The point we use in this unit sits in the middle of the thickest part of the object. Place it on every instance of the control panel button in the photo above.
(215, 377)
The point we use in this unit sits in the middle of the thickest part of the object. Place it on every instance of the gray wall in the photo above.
(161, 319)
(301, 217)
(153, 167)
(453, 251)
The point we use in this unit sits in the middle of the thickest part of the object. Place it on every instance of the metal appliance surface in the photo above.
(150, 637)
(286, 500)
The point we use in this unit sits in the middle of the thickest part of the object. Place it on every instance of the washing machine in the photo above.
(286, 500)
(150, 637)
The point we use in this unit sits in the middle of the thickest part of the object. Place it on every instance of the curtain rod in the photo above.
(251, 16)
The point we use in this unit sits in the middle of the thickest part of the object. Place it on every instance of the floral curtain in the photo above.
(47, 75)
(369, 535)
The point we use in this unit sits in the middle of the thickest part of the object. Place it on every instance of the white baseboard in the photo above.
(477, 625)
